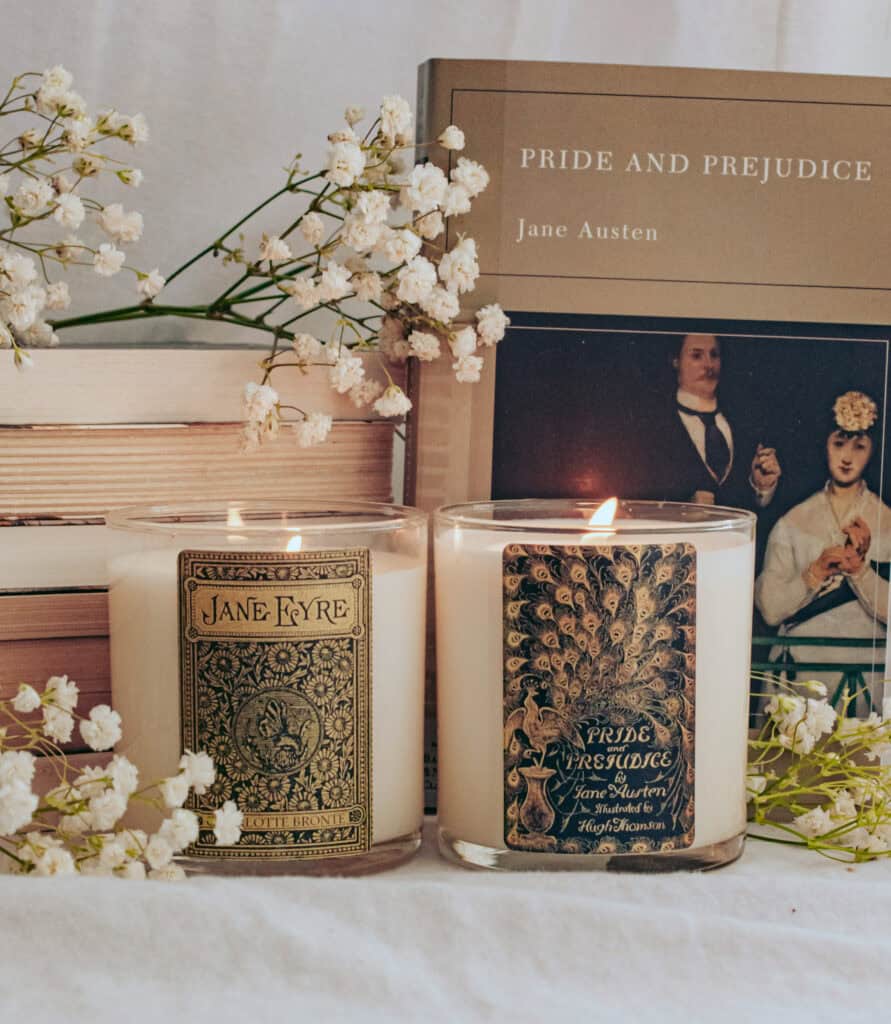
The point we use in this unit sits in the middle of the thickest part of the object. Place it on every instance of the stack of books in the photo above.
(95, 428)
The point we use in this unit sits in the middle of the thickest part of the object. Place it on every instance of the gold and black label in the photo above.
(276, 687)
(599, 697)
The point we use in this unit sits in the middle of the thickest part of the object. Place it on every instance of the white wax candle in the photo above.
(470, 674)
(145, 665)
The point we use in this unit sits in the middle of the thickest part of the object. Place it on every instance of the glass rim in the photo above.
(511, 515)
(262, 518)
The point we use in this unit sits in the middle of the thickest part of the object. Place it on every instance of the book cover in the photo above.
(695, 266)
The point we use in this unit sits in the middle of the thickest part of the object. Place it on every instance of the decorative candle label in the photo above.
(599, 697)
(276, 687)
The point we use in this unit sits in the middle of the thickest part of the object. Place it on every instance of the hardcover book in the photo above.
(695, 264)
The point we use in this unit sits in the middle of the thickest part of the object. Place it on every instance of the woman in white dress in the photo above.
(819, 577)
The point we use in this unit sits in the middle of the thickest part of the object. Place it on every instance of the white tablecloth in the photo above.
(780, 935)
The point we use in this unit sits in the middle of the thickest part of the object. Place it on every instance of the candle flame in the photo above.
(233, 518)
(605, 515)
(295, 543)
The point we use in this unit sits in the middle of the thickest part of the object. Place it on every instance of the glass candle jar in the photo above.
(592, 684)
(288, 644)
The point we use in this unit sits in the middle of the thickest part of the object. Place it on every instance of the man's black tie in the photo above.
(717, 451)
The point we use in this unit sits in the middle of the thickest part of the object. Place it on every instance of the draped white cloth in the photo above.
(780, 935)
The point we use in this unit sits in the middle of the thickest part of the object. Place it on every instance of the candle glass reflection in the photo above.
(288, 644)
(592, 684)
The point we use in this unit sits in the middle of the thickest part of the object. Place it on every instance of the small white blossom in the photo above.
(69, 249)
(467, 369)
(41, 335)
(158, 852)
(368, 286)
(180, 829)
(463, 343)
(393, 402)
(391, 340)
(33, 197)
(346, 373)
(133, 870)
(416, 280)
(431, 225)
(227, 824)
(92, 781)
(425, 189)
(491, 323)
(57, 724)
(78, 134)
(57, 77)
(442, 305)
(353, 115)
(133, 129)
(119, 225)
(131, 176)
(17, 806)
(107, 808)
(175, 790)
(401, 246)
(820, 717)
(373, 207)
(199, 770)
(20, 270)
(312, 227)
(58, 296)
(108, 261)
(149, 285)
(346, 161)
(306, 348)
(304, 291)
(260, 406)
(54, 862)
(88, 165)
(755, 785)
(424, 346)
(24, 361)
(843, 806)
(103, 728)
(473, 176)
(123, 774)
(358, 233)
(16, 766)
(313, 429)
(365, 393)
(451, 138)
(458, 269)
(334, 282)
(816, 822)
(62, 692)
(274, 248)
(26, 700)
(396, 119)
(69, 211)
(456, 201)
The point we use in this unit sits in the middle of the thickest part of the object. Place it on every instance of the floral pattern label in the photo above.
(276, 687)
(599, 697)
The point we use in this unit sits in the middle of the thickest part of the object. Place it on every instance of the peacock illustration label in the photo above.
(599, 697)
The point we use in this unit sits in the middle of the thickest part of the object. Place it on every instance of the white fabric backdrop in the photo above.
(231, 89)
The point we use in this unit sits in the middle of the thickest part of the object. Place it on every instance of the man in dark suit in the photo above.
(697, 455)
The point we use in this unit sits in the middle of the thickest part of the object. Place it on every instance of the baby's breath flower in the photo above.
(451, 138)
(227, 824)
(312, 227)
(27, 699)
(108, 260)
(313, 429)
(103, 728)
(149, 285)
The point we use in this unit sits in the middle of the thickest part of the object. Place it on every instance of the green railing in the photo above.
(852, 679)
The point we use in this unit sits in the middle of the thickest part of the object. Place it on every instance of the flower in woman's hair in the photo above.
(26, 700)
(451, 138)
(149, 285)
(855, 412)
(312, 227)
(227, 824)
(346, 161)
(396, 119)
(108, 261)
(440, 304)
(119, 225)
(334, 282)
(456, 201)
(425, 189)
(103, 728)
(274, 248)
(393, 402)
(491, 324)
(458, 269)
(467, 369)
(463, 342)
(313, 429)
(365, 393)
(303, 290)
(346, 373)
(473, 176)
(58, 296)
(431, 225)
(69, 211)
(175, 790)
(416, 279)
(424, 346)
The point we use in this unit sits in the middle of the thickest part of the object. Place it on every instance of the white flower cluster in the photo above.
(374, 253)
(77, 826)
(855, 412)
(41, 172)
(835, 793)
